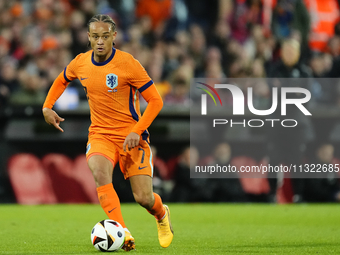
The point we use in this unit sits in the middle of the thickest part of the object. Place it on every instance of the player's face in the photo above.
(101, 38)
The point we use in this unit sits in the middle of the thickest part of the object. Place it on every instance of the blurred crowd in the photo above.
(175, 40)
(172, 178)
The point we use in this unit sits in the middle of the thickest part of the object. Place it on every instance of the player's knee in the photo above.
(144, 199)
(101, 177)
(101, 169)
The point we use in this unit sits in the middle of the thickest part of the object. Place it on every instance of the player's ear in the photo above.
(114, 37)
(89, 42)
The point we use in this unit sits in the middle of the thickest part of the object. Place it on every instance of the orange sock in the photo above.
(110, 203)
(157, 209)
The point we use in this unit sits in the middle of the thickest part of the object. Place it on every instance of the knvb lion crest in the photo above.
(111, 80)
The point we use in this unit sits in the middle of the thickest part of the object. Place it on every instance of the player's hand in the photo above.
(52, 118)
(132, 140)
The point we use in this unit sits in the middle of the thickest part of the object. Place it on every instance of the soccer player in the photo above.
(112, 80)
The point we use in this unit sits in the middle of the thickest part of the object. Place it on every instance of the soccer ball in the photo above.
(108, 235)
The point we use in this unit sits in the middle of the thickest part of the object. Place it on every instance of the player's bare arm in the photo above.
(52, 118)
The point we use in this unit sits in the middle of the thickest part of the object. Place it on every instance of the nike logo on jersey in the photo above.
(81, 78)
(112, 210)
(140, 168)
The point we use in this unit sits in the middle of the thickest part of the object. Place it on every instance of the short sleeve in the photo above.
(137, 75)
(70, 71)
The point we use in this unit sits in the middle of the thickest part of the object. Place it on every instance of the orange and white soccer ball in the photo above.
(108, 235)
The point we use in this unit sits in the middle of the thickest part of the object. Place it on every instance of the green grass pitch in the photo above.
(199, 229)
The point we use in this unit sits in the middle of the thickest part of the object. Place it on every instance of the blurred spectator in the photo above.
(160, 174)
(324, 16)
(261, 94)
(220, 38)
(30, 92)
(221, 34)
(321, 64)
(205, 13)
(251, 44)
(324, 91)
(334, 46)
(187, 189)
(155, 70)
(161, 169)
(159, 11)
(8, 81)
(287, 145)
(5, 40)
(197, 48)
(88, 7)
(180, 82)
(258, 69)
(289, 65)
(172, 61)
(179, 94)
(326, 188)
(79, 33)
(246, 14)
(178, 22)
(234, 65)
(213, 65)
(334, 50)
(126, 10)
(285, 17)
(182, 39)
(229, 188)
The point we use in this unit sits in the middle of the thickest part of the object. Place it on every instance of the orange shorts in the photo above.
(138, 161)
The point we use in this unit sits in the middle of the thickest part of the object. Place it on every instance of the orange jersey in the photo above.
(112, 89)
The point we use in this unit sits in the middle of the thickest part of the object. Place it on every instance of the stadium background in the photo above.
(175, 40)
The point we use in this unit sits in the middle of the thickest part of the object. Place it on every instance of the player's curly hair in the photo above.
(102, 18)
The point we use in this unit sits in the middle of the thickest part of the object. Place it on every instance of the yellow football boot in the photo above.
(165, 232)
(129, 243)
